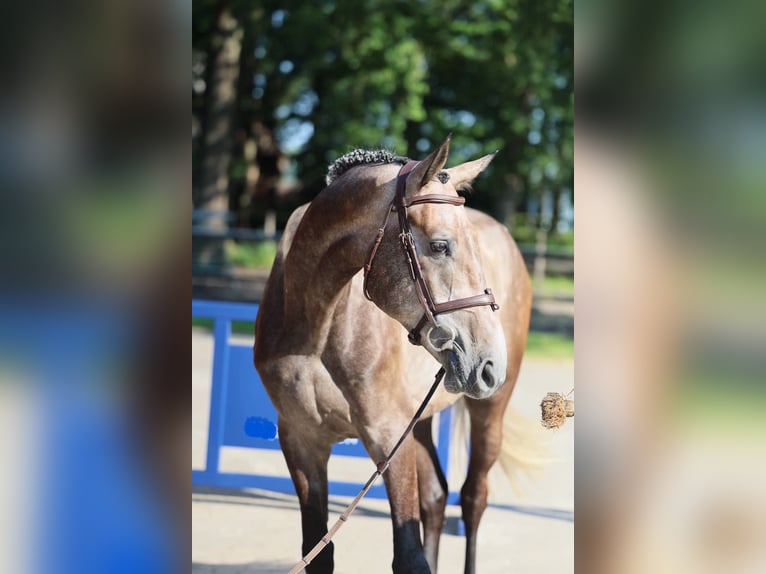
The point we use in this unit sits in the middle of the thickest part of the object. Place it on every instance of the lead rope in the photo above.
(381, 468)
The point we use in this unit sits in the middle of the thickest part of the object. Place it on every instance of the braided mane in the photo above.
(361, 157)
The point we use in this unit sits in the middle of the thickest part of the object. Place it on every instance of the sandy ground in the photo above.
(248, 532)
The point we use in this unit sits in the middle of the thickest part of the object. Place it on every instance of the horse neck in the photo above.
(329, 248)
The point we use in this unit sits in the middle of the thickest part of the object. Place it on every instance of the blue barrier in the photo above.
(241, 413)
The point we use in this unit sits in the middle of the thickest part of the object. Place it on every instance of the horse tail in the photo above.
(526, 448)
(524, 453)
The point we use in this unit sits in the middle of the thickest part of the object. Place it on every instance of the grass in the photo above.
(550, 346)
(558, 284)
(251, 254)
(237, 327)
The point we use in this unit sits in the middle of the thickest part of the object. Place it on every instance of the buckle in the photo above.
(494, 306)
(408, 246)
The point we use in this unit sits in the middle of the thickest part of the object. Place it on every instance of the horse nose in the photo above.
(490, 376)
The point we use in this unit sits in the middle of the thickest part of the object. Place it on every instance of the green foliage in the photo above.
(561, 239)
(331, 75)
(522, 230)
(525, 233)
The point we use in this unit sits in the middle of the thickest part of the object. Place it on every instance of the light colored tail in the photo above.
(524, 454)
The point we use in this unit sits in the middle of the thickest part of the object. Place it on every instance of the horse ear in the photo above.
(467, 172)
(429, 167)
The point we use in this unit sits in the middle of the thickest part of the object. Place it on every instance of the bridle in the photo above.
(431, 308)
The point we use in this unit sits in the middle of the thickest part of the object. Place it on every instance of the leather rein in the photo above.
(431, 308)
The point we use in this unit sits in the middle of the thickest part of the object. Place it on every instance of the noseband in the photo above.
(430, 307)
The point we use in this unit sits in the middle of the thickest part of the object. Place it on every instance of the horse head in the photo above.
(455, 325)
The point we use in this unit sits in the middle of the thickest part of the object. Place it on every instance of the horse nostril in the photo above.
(441, 337)
(488, 374)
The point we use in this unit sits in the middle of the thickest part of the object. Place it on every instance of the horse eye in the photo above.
(439, 246)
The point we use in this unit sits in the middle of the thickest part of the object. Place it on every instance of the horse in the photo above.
(337, 364)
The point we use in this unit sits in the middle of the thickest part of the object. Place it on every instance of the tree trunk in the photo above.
(218, 138)
(556, 209)
(538, 269)
(508, 201)
(513, 184)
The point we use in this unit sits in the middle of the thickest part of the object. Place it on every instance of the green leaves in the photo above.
(403, 74)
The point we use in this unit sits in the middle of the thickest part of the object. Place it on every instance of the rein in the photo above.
(382, 466)
(430, 307)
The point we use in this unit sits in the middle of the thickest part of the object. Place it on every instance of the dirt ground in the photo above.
(249, 532)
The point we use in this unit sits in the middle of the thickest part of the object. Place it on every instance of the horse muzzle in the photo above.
(478, 379)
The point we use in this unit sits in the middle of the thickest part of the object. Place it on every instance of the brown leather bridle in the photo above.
(430, 307)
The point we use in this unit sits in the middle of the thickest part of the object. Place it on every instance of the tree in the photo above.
(323, 77)
(212, 191)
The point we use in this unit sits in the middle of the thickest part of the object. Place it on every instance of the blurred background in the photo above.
(94, 174)
(671, 322)
(282, 89)
(96, 166)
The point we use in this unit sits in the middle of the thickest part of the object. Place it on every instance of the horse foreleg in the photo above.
(402, 487)
(306, 458)
(432, 490)
(486, 440)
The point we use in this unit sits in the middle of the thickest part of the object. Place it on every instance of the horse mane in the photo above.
(361, 157)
